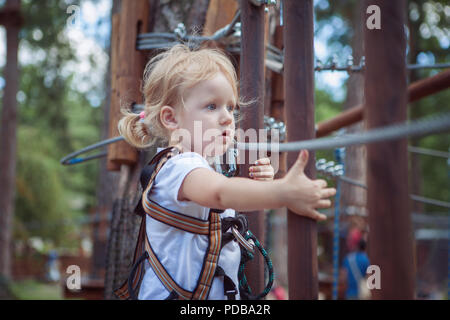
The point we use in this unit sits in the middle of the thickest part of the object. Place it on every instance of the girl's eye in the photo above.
(211, 106)
(230, 108)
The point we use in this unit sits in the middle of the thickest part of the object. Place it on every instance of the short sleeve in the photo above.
(169, 179)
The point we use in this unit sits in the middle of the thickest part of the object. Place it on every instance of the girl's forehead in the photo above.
(217, 84)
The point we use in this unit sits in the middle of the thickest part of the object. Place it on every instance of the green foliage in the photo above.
(54, 120)
(325, 108)
(35, 290)
(42, 203)
(435, 170)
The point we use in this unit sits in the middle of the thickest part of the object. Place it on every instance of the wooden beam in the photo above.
(390, 243)
(299, 109)
(416, 91)
(219, 14)
(131, 63)
(115, 99)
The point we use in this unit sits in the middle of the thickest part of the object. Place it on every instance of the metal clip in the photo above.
(264, 2)
(248, 245)
(180, 31)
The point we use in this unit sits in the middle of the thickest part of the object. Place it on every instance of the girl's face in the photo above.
(207, 118)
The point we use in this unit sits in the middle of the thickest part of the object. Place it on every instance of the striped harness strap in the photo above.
(211, 227)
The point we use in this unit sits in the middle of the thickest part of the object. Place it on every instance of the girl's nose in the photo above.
(226, 117)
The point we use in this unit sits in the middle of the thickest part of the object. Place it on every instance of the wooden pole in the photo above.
(11, 18)
(277, 98)
(416, 91)
(279, 230)
(115, 98)
(219, 14)
(390, 241)
(127, 71)
(299, 108)
(252, 87)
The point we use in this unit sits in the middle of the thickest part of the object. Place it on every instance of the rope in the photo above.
(150, 41)
(244, 287)
(435, 124)
(429, 152)
(348, 180)
(70, 159)
(423, 127)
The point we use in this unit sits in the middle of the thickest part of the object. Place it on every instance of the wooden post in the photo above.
(299, 108)
(279, 230)
(11, 18)
(219, 14)
(390, 243)
(252, 87)
(277, 106)
(115, 99)
(128, 69)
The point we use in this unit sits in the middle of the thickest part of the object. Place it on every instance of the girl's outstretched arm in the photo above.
(295, 191)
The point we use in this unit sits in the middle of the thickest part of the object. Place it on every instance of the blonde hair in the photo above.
(166, 77)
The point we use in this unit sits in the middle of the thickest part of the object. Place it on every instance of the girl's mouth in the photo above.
(226, 133)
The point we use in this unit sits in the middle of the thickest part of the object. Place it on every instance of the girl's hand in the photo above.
(262, 170)
(303, 195)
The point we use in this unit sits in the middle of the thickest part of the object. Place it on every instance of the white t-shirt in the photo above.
(182, 253)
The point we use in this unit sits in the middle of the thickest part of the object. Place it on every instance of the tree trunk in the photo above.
(11, 19)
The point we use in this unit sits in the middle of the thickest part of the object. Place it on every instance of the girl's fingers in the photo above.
(324, 204)
(262, 161)
(328, 192)
(316, 215)
(320, 216)
(320, 183)
(265, 174)
(261, 168)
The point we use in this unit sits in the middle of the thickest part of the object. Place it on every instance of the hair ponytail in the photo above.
(135, 131)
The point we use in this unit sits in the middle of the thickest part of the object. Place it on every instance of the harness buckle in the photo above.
(231, 294)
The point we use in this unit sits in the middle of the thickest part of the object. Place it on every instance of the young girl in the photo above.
(190, 100)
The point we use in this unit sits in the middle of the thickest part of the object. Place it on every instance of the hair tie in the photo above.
(142, 115)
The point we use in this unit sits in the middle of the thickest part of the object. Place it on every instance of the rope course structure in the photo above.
(244, 35)
(417, 128)
(330, 169)
(158, 40)
(230, 35)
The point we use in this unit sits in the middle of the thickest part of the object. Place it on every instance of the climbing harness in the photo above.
(216, 230)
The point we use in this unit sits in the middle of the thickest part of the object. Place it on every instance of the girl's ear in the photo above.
(167, 118)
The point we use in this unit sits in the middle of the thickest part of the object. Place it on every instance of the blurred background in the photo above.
(61, 214)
